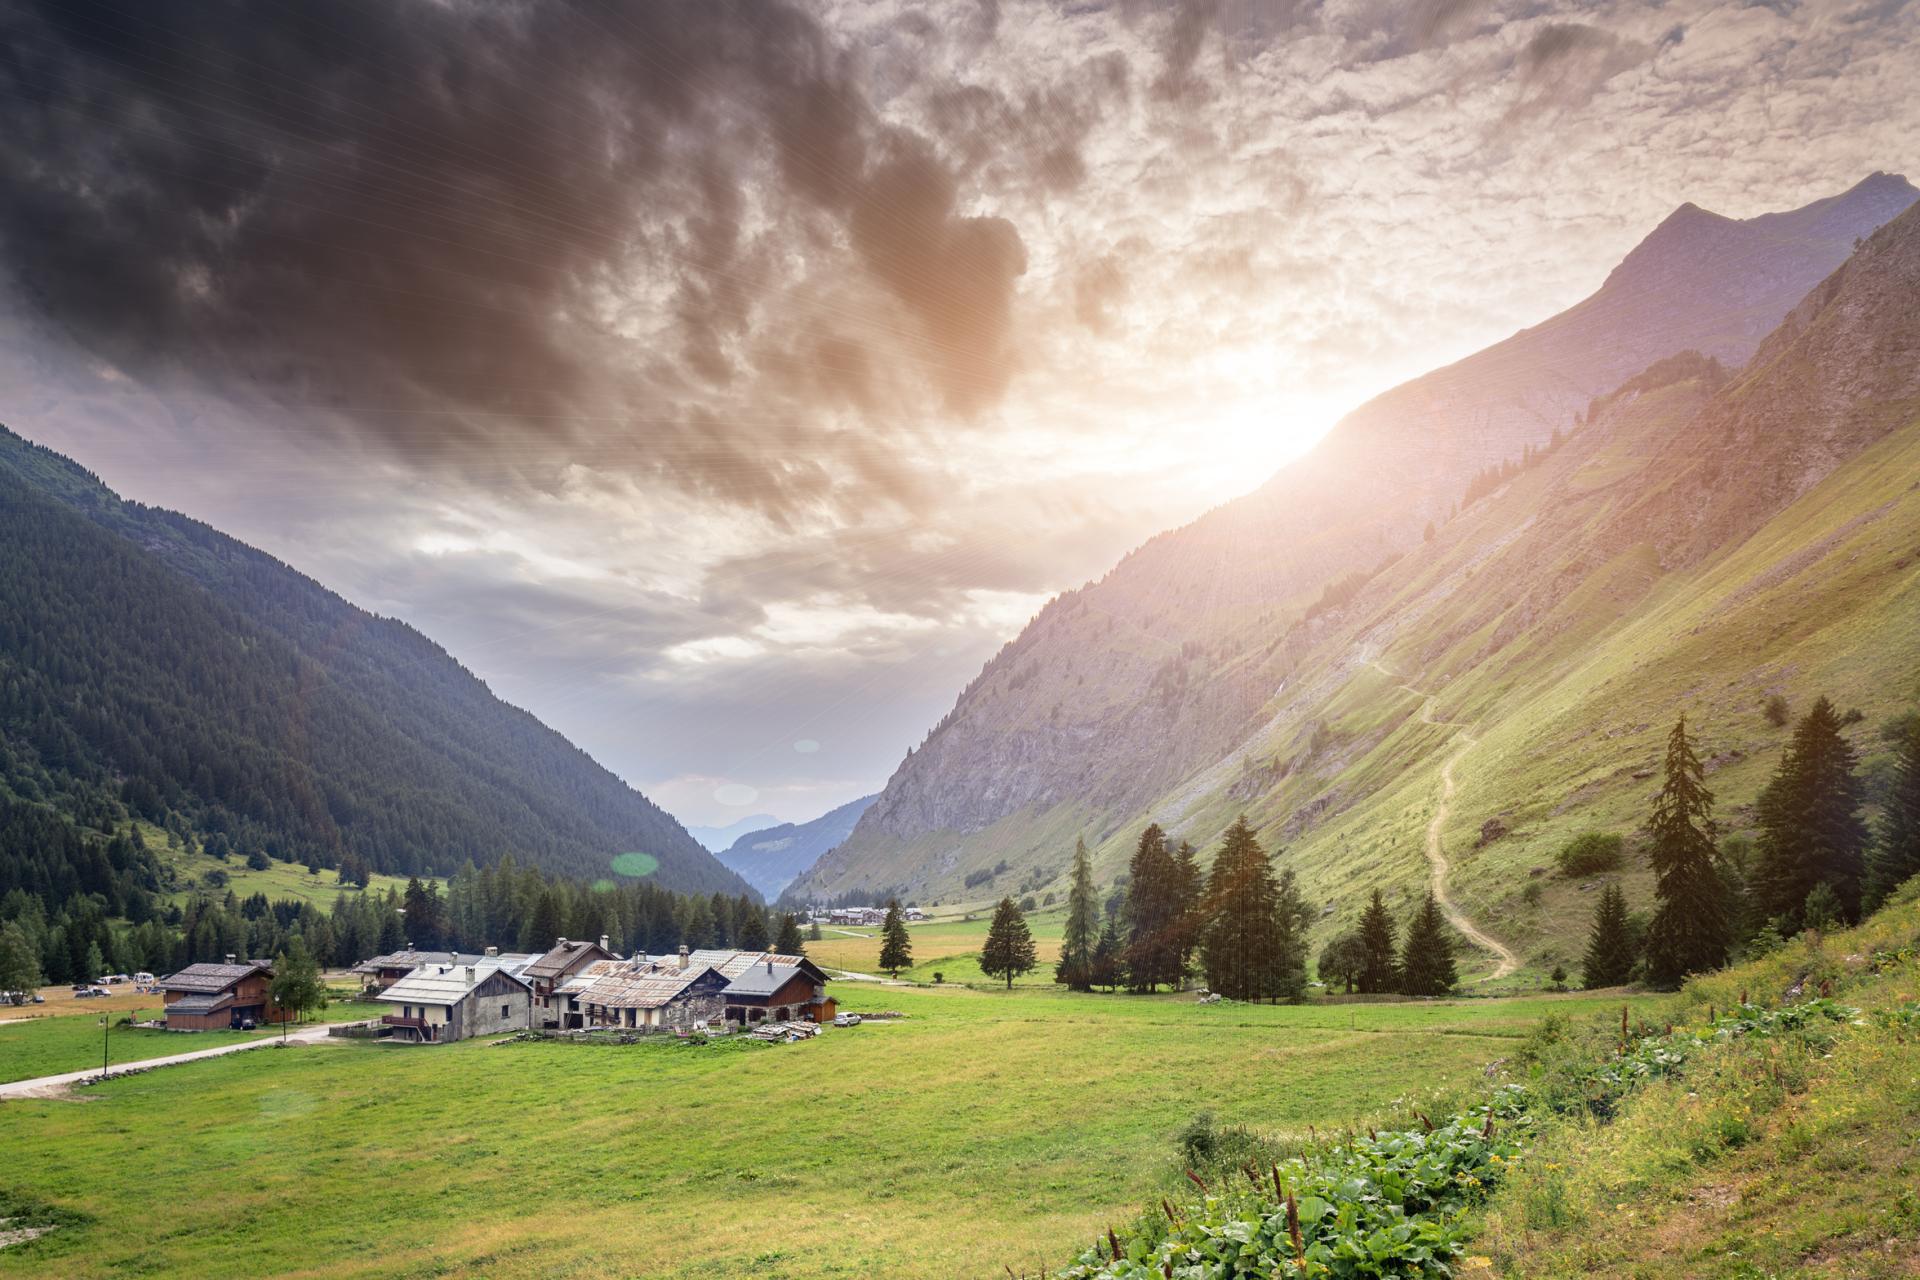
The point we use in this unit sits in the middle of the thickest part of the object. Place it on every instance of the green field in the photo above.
(280, 880)
(984, 1129)
(950, 948)
(54, 1046)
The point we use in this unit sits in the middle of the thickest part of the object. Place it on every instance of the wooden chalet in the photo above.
(766, 986)
(550, 972)
(441, 1002)
(219, 997)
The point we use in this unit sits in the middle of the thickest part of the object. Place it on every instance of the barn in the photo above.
(218, 997)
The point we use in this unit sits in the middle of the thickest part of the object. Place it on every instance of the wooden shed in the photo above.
(219, 997)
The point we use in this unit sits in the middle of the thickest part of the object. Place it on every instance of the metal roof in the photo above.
(414, 959)
(763, 980)
(201, 1005)
(210, 978)
(449, 984)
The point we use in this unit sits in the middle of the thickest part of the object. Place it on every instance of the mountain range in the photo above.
(770, 858)
(717, 839)
(150, 662)
(1660, 476)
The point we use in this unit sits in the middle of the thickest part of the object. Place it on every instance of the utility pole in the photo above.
(105, 1027)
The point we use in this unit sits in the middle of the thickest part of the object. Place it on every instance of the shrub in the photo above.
(1775, 710)
(938, 977)
(1595, 851)
(258, 861)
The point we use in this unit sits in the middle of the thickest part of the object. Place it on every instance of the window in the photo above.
(506, 1011)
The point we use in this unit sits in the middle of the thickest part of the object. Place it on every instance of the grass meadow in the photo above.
(983, 1129)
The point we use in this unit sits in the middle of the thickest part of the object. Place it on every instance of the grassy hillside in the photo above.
(983, 1129)
(1785, 1157)
(188, 871)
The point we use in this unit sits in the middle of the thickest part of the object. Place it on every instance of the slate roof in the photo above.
(210, 979)
(414, 959)
(449, 983)
(201, 1005)
(647, 988)
(564, 955)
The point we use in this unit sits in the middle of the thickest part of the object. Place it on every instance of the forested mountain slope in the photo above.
(151, 663)
(1699, 540)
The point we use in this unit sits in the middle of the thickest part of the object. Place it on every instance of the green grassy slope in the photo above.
(984, 1129)
(1785, 1158)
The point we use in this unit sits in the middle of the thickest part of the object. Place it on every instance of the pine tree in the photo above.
(1896, 851)
(896, 949)
(1153, 915)
(1242, 951)
(1190, 918)
(1294, 918)
(788, 942)
(1082, 927)
(1609, 960)
(1811, 831)
(1107, 955)
(1009, 951)
(750, 925)
(1426, 962)
(1378, 973)
(1690, 932)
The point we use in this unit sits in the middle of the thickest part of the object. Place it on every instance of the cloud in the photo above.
(1564, 64)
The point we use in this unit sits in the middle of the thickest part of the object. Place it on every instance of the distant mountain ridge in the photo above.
(716, 839)
(770, 859)
(1143, 686)
(147, 656)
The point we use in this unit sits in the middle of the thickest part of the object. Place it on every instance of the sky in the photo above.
(725, 383)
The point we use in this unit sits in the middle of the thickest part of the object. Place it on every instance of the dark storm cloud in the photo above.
(434, 217)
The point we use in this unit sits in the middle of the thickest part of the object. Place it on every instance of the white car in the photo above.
(846, 1019)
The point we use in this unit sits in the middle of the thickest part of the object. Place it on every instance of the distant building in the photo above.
(217, 997)
(675, 991)
(548, 974)
(382, 972)
(441, 1002)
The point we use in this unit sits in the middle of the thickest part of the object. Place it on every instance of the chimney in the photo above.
(231, 959)
(769, 966)
(603, 944)
(407, 945)
(471, 975)
(560, 944)
(683, 957)
(493, 951)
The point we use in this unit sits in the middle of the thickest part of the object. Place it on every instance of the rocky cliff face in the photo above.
(1120, 694)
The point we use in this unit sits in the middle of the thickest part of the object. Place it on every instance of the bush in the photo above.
(258, 861)
(1587, 854)
(1775, 710)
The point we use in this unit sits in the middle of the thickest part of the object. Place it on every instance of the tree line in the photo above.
(1815, 862)
(503, 904)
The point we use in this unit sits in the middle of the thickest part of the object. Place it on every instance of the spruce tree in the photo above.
(1378, 973)
(896, 949)
(1294, 918)
(1609, 960)
(1243, 950)
(1009, 950)
(750, 925)
(1811, 831)
(1690, 932)
(1153, 914)
(1189, 892)
(787, 942)
(1896, 851)
(1426, 963)
(1083, 925)
(1107, 956)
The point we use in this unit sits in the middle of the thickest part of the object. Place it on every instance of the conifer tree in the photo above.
(896, 949)
(1153, 915)
(1896, 851)
(1190, 919)
(750, 925)
(1811, 831)
(787, 942)
(1082, 927)
(1294, 918)
(1609, 960)
(1107, 954)
(1378, 972)
(297, 986)
(1242, 951)
(1426, 962)
(1690, 932)
(1009, 950)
